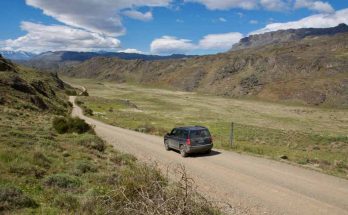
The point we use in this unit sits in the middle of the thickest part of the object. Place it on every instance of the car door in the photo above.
(176, 139)
(183, 137)
(172, 138)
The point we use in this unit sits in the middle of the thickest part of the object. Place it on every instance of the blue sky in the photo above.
(155, 26)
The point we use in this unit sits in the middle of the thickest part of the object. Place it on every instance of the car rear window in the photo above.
(199, 133)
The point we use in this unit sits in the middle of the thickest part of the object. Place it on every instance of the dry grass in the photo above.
(42, 171)
(311, 136)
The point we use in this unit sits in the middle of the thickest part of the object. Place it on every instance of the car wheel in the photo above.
(183, 151)
(208, 152)
(166, 145)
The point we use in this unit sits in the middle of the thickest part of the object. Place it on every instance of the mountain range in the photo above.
(53, 61)
(17, 55)
(309, 69)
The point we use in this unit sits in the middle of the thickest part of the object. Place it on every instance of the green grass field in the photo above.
(310, 136)
(44, 170)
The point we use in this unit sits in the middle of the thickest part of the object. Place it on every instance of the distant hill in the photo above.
(289, 35)
(312, 70)
(53, 61)
(17, 55)
(62, 56)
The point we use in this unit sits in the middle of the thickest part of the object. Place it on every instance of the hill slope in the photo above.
(289, 35)
(63, 167)
(29, 89)
(311, 71)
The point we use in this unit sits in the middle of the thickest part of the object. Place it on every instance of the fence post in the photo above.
(231, 134)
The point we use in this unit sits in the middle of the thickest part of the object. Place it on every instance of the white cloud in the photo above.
(274, 5)
(219, 41)
(101, 16)
(173, 45)
(221, 19)
(319, 6)
(179, 21)
(253, 22)
(227, 4)
(240, 14)
(315, 21)
(41, 38)
(134, 14)
(132, 51)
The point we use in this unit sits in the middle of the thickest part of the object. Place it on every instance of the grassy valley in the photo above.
(310, 71)
(52, 164)
(310, 136)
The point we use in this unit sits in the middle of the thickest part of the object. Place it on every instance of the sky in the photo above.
(160, 27)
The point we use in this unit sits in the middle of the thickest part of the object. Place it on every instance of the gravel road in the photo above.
(250, 184)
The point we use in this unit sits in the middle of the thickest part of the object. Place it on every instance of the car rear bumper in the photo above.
(200, 148)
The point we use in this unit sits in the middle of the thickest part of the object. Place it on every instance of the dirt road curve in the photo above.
(252, 185)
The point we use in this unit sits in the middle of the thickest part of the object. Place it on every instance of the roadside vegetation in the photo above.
(309, 136)
(51, 163)
(44, 169)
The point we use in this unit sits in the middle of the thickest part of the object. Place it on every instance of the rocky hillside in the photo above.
(312, 71)
(289, 35)
(29, 89)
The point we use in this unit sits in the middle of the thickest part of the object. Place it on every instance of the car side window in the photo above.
(178, 133)
(173, 133)
(184, 134)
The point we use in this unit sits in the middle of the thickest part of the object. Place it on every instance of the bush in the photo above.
(41, 160)
(123, 159)
(66, 201)
(78, 102)
(14, 198)
(92, 142)
(84, 167)
(69, 125)
(87, 111)
(141, 189)
(63, 181)
(70, 92)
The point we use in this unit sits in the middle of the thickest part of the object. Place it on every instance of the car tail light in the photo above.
(188, 141)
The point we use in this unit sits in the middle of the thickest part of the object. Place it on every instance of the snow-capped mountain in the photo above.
(17, 55)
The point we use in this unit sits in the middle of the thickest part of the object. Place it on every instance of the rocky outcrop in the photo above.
(6, 65)
(290, 35)
(24, 88)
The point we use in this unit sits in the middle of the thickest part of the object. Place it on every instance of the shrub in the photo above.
(123, 159)
(60, 124)
(13, 198)
(142, 189)
(92, 142)
(78, 102)
(70, 92)
(84, 167)
(63, 181)
(21, 169)
(69, 125)
(66, 201)
(41, 160)
(87, 111)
